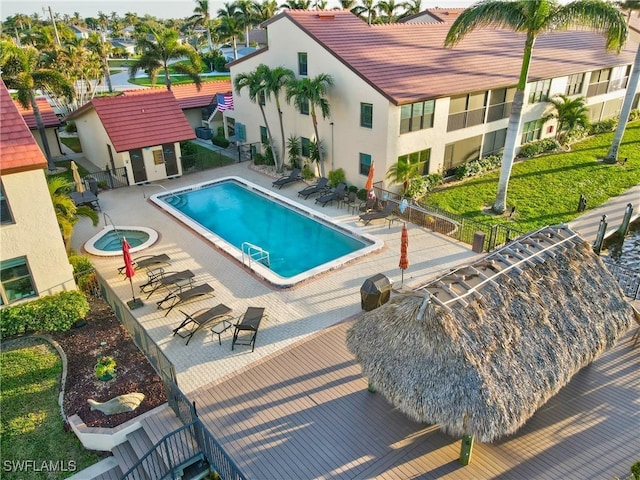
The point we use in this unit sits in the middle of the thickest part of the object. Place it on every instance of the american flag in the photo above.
(225, 101)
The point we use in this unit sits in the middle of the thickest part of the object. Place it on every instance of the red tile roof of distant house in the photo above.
(142, 120)
(407, 62)
(188, 95)
(19, 151)
(49, 117)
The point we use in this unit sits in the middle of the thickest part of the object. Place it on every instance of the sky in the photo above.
(157, 8)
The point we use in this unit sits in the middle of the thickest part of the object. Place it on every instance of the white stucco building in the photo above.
(397, 91)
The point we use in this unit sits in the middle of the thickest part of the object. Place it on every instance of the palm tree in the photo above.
(570, 112)
(25, 74)
(156, 54)
(533, 17)
(244, 9)
(632, 87)
(201, 17)
(67, 212)
(312, 91)
(254, 82)
(366, 11)
(274, 81)
(265, 10)
(297, 5)
(403, 171)
(229, 27)
(629, 6)
(412, 7)
(102, 50)
(387, 9)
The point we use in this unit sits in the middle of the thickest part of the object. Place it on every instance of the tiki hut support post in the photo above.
(466, 448)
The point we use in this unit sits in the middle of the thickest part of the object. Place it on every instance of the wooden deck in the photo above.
(306, 414)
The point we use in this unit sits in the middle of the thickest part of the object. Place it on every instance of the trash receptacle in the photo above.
(93, 185)
(478, 242)
(375, 291)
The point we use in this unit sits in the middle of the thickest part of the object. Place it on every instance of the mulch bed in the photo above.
(134, 373)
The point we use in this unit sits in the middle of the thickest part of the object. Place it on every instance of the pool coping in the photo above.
(92, 250)
(372, 244)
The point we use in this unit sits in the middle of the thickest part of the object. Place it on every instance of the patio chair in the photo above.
(148, 262)
(351, 200)
(159, 278)
(388, 210)
(246, 329)
(336, 194)
(200, 319)
(294, 176)
(319, 187)
(179, 296)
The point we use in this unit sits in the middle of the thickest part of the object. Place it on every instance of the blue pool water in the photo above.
(112, 241)
(296, 242)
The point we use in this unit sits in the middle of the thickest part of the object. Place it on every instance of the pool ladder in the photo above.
(254, 253)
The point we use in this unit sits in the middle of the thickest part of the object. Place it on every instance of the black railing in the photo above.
(106, 180)
(628, 279)
(455, 226)
(168, 457)
(205, 161)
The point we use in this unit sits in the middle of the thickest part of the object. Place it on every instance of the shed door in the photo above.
(137, 165)
(170, 162)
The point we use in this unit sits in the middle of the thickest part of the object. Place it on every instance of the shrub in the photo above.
(220, 141)
(634, 115)
(353, 188)
(188, 148)
(53, 313)
(537, 147)
(362, 194)
(307, 173)
(417, 188)
(478, 167)
(436, 179)
(84, 273)
(219, 64)
(608, 125)
(336, 176)
(259, 159)
(220, 131)
(105, 369)
(70, 127)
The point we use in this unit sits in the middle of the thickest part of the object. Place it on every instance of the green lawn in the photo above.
(31, 426)
(176, 80)
(120, 63)
(73, 143)
(545, 190)
(206, 158)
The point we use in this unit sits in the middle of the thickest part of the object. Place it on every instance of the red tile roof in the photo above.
(141, 120)
(19, 151)
(407, 62)
(49, 117)
(188, 96)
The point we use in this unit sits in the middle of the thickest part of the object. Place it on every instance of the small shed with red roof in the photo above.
(140, 132)
(51, 124)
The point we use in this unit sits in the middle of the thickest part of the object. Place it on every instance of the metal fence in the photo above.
(205, 161)
(628, 279)
(108, 179)
(455, 226)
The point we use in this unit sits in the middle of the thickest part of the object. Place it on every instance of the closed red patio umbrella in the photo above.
(369, 185)
(129, 272)
(404, 247)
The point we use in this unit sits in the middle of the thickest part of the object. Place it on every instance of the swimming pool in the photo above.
(280, 240)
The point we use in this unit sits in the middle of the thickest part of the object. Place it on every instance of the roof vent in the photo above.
(326, 14)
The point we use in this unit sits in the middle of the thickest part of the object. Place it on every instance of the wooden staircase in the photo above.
(143, 440)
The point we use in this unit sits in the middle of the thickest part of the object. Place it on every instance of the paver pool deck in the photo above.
(292, 314)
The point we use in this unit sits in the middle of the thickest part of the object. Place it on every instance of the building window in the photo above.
(494, 142)
(500, 101)
(365, 163)
(574, 84)
(417, 116)
(302, 63)
(531, 131)
(461, 152)
(466, 110)
(303, 107)
(366, 115)
(599, 82)
(305, 145)
(619, 78)
(264, 138)
(5, 211)
(423, 156)
(539, 91)
(16, 280)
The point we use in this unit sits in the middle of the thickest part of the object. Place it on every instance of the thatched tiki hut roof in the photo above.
(497, 339)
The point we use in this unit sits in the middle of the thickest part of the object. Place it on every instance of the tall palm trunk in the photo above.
(167, 77)
(513, 129)
(246, 36)
(43, 134)
(315, 129)
(271, 145)
(632, 88)
(107, 75)
(281, 130)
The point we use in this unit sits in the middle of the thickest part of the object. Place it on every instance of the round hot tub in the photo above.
(108, 242)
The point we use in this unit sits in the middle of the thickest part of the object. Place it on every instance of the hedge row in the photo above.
(53, 313)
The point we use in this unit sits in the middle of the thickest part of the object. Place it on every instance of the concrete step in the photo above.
(155, 464)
